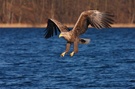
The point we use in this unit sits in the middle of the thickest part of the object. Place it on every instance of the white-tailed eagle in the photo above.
(94, 18)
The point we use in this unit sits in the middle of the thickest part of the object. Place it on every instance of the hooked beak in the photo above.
(60, 35)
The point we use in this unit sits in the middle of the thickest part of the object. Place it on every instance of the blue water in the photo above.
(28, 61)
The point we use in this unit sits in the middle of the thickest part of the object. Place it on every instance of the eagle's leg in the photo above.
(75, 48)
(67, 49)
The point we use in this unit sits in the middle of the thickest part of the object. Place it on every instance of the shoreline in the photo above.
(68, 25)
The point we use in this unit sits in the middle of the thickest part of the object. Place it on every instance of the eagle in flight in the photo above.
(94, 18)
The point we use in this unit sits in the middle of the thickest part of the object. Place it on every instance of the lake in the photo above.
(28, 61)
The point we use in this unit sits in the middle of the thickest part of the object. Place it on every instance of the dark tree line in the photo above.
(67, 11)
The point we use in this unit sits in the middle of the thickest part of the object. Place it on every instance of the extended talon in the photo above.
(63, 54)
(72, 54)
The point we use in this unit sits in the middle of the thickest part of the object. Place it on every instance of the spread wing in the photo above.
(53, 28)
(95, 19)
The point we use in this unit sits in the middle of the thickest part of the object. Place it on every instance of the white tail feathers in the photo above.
(84, 41)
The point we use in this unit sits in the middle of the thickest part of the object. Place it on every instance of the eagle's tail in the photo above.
(84, 41)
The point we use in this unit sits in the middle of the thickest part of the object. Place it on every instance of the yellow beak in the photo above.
(60, 35)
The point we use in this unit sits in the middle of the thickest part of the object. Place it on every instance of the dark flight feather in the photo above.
(53, 28)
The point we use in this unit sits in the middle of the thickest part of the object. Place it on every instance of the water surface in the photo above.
(28, 61)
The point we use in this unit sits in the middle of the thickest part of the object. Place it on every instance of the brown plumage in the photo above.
(93, 17)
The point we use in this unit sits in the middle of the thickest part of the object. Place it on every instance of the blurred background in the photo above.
(67, 11)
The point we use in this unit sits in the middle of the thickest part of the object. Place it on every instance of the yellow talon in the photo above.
(63, 54)
(72, 54)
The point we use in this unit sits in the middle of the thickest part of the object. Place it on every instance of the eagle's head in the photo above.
(65, 35)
